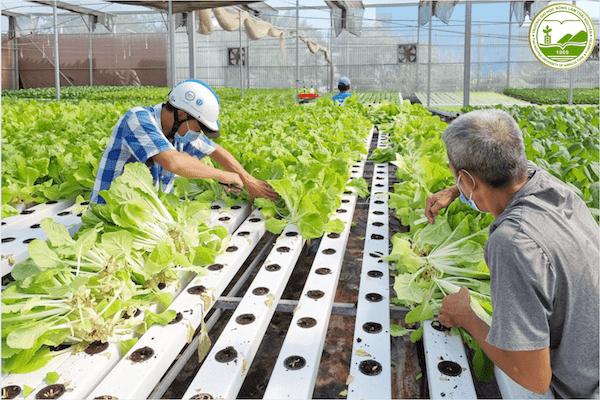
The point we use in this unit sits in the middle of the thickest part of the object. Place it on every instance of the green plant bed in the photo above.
(555, 95)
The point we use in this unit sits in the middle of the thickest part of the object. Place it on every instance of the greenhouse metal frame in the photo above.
(373, 58)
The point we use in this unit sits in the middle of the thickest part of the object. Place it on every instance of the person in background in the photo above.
(543, 257)
(344, 88)
(171, 138)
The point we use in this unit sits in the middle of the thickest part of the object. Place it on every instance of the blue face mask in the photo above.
(189, 136)
(462, 195)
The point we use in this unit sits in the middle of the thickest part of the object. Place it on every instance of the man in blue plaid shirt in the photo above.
(171, 138)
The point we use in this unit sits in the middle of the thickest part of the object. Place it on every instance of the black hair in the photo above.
(342, 87)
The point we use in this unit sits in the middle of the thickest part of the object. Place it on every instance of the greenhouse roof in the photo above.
(183, 6)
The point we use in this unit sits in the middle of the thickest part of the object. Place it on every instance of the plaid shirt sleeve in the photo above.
(199, 147)
(136, 137)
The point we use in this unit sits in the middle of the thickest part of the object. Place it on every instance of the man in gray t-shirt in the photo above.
(542, 253)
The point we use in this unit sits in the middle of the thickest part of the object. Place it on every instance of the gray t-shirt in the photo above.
(543, 256)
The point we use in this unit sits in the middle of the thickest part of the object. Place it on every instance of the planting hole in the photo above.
(197, 289)
(51, 392)
(215, 207)
(260, 291)
(375, 255)
(376, 237)
(236, 207)
(372, 327)
(6, 279)
(307, 322)
(378, 193)
(10, 392)
(291, 234)
(59, 347)
(54, 202)
(379, 178)
(161, 285)
(329, 251)
(378, 224)
(370, 367)
(374, 297)
(141, 354)
(347, 193)
(283, 249)
(62, 214)
(244, 234)
(106, 396)
(450, 368)
(26, 241)
(375, 274)
(204, 396)
(27, 212)
(345, 201)
(315, 294)
(340, 211)
(379, 202)
(8, 239)
(35, 226)
(245, 319)
(294, 362)
(254, 220)
(437, 325)
(96, 347)
(226, 355)
(231, 249)
(223, 219)
(177, 318)
(273, 267)
(379, 185)
(323, 271)
(215, 267)
(378, 212)
(333, 235)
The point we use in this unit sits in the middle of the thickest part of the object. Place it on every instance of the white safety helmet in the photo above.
(201, 102)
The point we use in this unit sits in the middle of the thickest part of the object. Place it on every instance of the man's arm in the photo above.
(439, 200)
(190, 167)
(530, 369)
(256, 187)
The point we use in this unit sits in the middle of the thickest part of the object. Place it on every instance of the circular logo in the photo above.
(199, 102)
(562, 36)
(189, 96)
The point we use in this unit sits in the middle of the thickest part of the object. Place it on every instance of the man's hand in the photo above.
(258, 188)
(439, 200)
(456, 309)
(231, 178)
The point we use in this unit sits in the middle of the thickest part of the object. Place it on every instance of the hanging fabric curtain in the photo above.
(441, 9)
(229, 18)
(521, 9)
(347, 15)
(314, 47)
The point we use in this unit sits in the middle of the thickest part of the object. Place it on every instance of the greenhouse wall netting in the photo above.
(389, 52)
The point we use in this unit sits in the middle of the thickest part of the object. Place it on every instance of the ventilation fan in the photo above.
(234, 56)
(407, 53)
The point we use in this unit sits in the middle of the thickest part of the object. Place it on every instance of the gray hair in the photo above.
(488, 143)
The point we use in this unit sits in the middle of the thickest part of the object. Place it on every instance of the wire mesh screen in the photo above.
(393, 52)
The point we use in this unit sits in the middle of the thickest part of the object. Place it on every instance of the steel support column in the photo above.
(467, 50)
